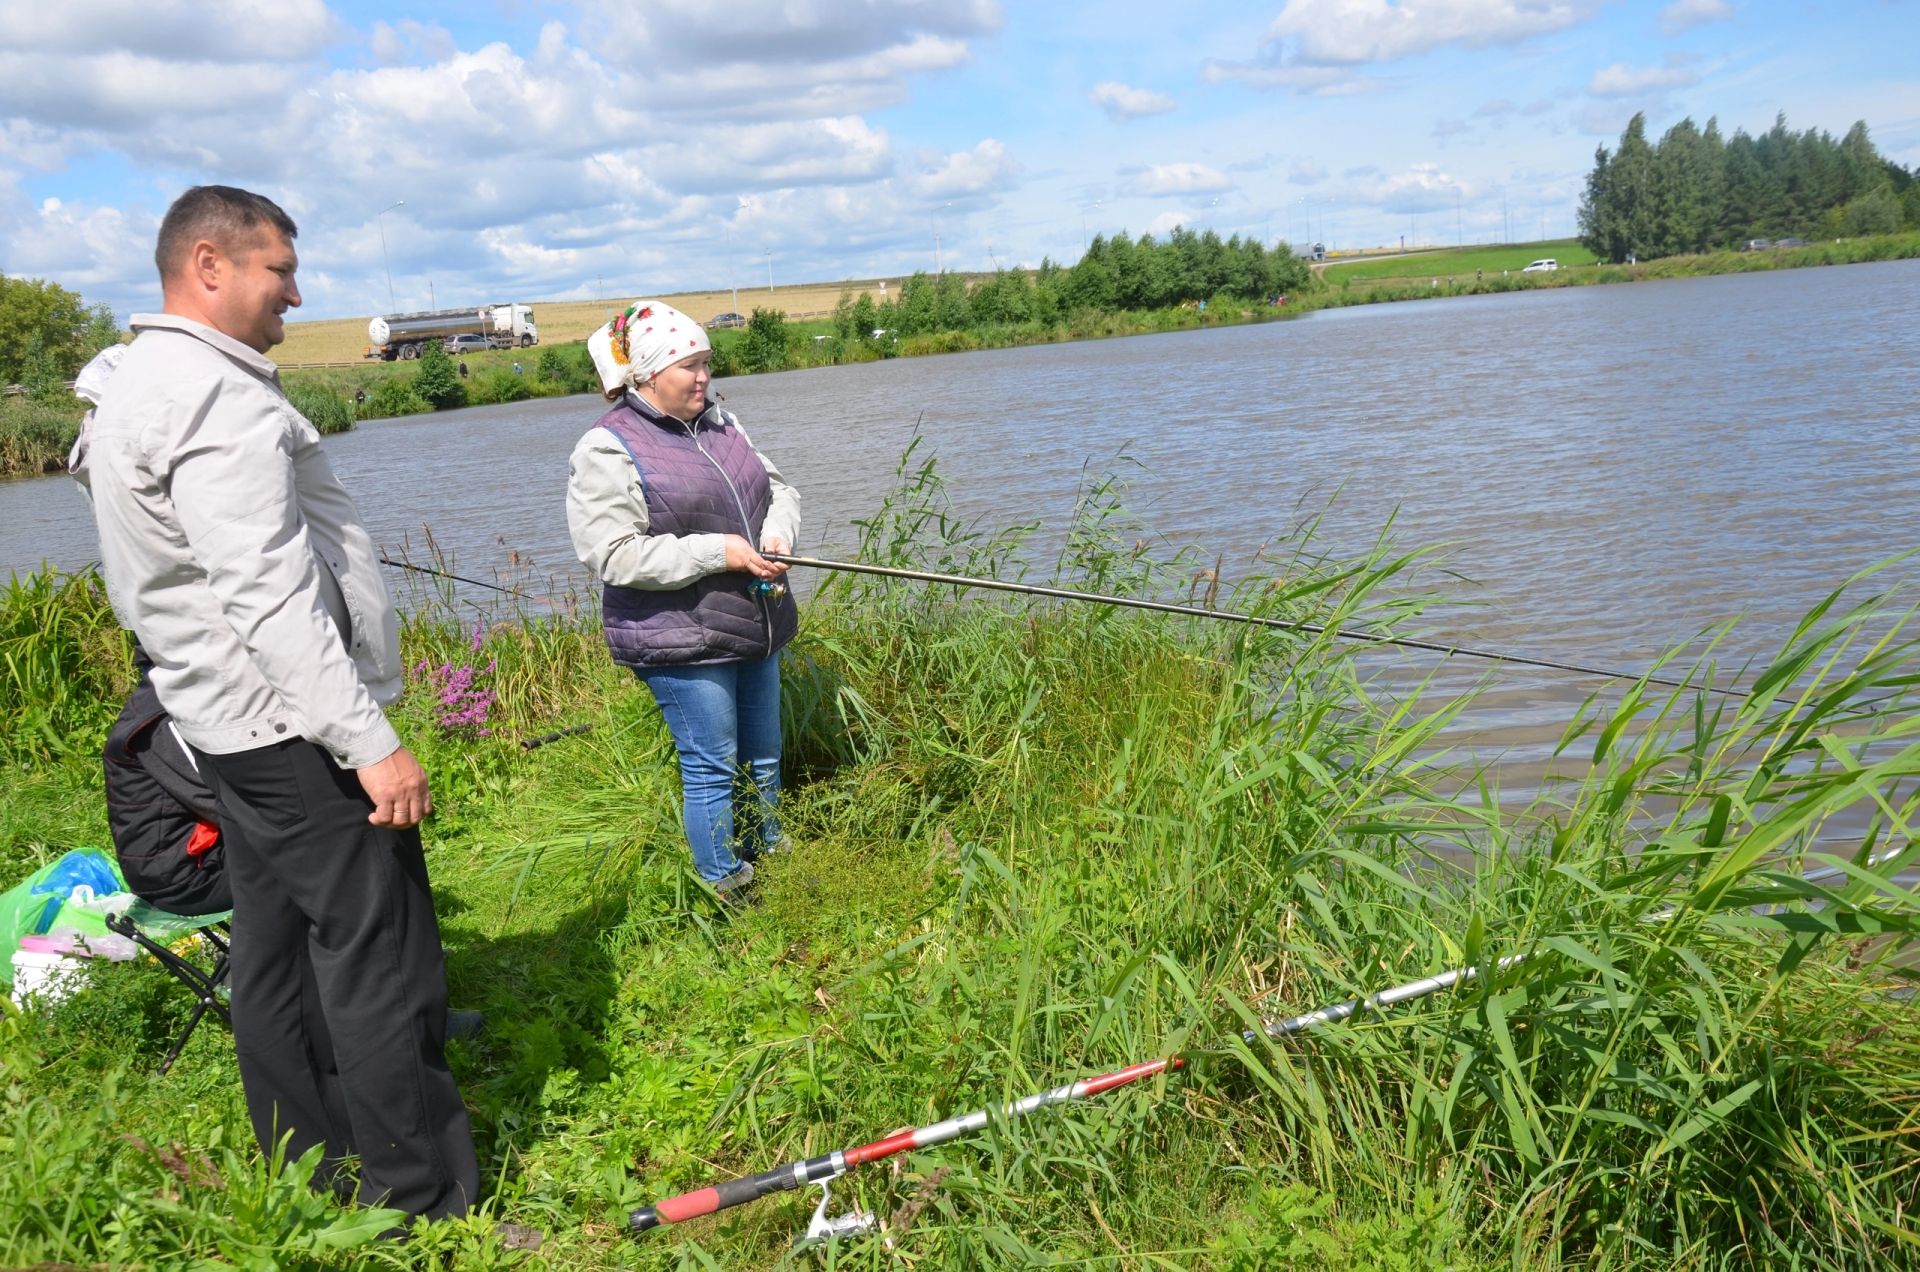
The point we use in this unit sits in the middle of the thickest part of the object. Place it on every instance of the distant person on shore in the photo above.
(233, 553)
(463, 368)
(670, 505)
(516, 368)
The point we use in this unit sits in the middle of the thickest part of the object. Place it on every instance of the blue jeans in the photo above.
(725, 721)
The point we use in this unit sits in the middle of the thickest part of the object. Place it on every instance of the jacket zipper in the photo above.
(766, 612)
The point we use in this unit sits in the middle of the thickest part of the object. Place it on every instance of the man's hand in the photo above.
(741, 556)
(398, 787)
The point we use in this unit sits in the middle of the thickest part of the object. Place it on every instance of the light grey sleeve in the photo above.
(607, 518)
(234, 490)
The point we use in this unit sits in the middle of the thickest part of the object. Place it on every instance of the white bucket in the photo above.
(48, 977)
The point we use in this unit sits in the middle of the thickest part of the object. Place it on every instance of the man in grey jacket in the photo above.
(233, 553)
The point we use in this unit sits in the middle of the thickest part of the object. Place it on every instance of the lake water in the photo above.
(1614, 468)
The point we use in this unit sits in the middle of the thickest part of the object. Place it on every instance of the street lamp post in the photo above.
(768, 253)
(380, 218)
(1083, 223)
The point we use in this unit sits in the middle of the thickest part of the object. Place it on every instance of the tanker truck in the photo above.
(405, 335)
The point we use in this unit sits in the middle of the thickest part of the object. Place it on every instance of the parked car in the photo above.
(725, 320)
(467, 343)
(1790, 242)
(1756, 245)
(1542, 266)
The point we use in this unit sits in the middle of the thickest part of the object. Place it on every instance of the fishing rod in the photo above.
(1194, 611)
(457, 578)
(824, 1169)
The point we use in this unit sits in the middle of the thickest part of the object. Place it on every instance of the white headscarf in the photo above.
(648, 337)
(91, 385)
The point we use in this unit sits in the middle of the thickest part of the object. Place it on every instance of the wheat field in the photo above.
(562, 321)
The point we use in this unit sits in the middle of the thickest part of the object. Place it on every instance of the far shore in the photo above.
(35, 436)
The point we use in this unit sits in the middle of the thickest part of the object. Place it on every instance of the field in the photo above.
(562, 321)
(1037, 843)
(1452, 262)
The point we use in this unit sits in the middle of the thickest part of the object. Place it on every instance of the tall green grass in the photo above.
(1037, 841)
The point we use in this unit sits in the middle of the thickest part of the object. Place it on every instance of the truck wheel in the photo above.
(526, 342)
(409, 352)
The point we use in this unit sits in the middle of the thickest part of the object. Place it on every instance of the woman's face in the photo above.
(681, 389)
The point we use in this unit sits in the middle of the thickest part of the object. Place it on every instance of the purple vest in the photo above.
(702, 478)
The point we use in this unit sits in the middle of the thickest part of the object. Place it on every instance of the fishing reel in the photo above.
(825, 1227)
(772, 589)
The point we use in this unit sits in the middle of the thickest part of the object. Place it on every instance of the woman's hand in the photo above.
(742, 557)
(777, 544)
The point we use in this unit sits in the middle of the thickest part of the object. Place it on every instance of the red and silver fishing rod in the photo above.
(1230, 616)
(819, 1170)
(830, 1166)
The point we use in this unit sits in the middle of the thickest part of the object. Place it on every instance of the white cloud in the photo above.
(1308, 81)
(174, 30)
(1123, 103)
(1306, 172)
(1423, 187)
(985, 168)
(1621, 80)
(1166, 223)
(407, 40)
(771, 32)
(1350, 32)
(84, 248)
(1168, 179)
(1684, 15)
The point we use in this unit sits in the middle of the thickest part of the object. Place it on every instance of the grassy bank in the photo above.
(1040, 843)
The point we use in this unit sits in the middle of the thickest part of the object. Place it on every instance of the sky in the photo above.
(521, 150)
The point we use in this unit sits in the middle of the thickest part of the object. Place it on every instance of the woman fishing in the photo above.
(670, 505)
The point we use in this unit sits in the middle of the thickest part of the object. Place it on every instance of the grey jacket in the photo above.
(233, 553)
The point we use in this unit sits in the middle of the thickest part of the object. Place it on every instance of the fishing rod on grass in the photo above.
(822, 1170)
(1229, 616)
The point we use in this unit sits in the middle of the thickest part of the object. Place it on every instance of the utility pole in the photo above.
(1459, 235)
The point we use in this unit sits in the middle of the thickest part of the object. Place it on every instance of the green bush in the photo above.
(36, 436)
(394, 397)
(569, 366)
(437, 381)
(499, 386)
(766, 347)
(326, 411)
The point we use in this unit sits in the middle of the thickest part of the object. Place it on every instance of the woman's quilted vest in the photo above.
(699, 478)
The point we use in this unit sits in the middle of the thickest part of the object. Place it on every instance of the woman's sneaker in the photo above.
(734, 889)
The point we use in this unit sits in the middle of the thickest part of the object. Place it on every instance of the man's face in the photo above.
(258, 288)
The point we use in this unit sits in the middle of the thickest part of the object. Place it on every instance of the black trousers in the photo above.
(339, 985)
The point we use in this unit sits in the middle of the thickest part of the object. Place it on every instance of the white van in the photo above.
(1541, 267)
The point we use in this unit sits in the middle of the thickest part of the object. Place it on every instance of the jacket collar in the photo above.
(654, 415)
(254, 361)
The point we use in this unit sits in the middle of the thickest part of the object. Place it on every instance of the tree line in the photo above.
(1695, 191)
(1116, 273)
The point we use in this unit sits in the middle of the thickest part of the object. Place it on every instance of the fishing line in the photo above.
(1229, 616)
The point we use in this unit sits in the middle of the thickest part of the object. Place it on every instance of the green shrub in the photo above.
(394, 397)
(766, 347)
(36, 436)
(438, 381)
(499, 386)
(325, 410)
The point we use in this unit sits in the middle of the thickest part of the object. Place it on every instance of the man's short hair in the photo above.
(225, 216)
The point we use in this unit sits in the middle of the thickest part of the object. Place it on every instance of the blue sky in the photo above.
(548, 150)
